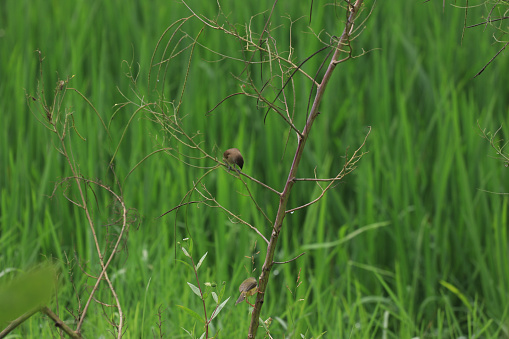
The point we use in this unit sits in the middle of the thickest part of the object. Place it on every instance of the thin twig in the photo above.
(216, 204)
(489, 62)
(286, 262)
(348, 167)
(316, 179)
(488, 21)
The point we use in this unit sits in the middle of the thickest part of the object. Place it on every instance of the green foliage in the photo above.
(436, 264)
(26, 292)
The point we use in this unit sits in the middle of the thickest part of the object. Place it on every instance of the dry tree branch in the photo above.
(60, 121)
(254, 201)
(489, 20)
(281, 213)
(104, 265)
(249, 42)
(291, 77)
(215, 204)
(84, 205)
(491, 60)
(495, 143)
(16, 322)
(348, 167)
(286, 262)
(58, 323)
(182, 22)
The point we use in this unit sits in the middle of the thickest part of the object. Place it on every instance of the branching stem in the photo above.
(281, 213)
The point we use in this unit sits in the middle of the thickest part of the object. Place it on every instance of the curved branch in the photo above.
(286, 262)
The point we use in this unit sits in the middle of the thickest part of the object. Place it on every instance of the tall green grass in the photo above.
(439, 266)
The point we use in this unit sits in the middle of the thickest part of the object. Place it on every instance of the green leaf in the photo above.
(191, 313)
(195, 289)
(223, 289)
(185, 263)
(219, 308)
(26, 292)
(457, 292)
(214, 296)
(321, 335)
(201, 261)
(217, 334)
(189, 333)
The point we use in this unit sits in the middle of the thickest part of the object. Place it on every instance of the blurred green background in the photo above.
(430, 256)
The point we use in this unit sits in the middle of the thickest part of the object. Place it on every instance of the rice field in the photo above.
(412, 244)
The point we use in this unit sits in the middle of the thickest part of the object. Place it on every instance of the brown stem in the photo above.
(281, 213)
(58, 322)
(16, 322)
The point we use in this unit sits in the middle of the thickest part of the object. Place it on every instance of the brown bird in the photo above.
(233, 157)
(246, 289)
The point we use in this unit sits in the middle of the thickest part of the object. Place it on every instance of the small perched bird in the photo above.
(246, 289)
(233, 157)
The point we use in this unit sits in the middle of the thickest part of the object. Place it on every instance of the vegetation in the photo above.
(408, 245)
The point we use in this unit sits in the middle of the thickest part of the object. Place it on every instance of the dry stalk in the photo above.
(60, 121)
(281, 213)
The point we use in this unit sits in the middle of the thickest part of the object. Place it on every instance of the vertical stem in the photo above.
(283, 200)
(202, 299)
